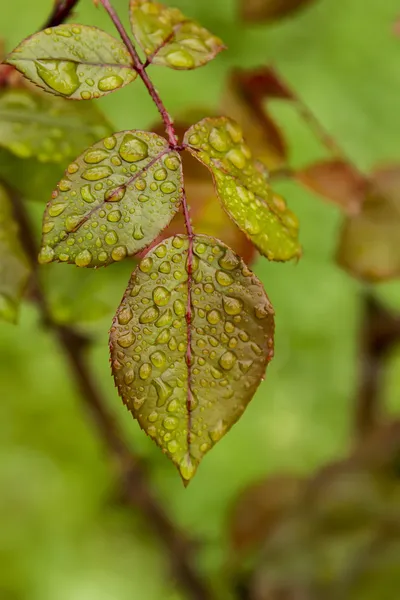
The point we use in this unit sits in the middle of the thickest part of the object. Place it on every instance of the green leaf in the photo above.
(242, 187)
(188, 377)
(170, 39)
(50, 129)
(113, 201)
(14, 269)
(76, 61)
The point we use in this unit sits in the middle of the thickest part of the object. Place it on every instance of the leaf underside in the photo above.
(74, 61)
(114, 200)
(50, 129)
(169, 38)
(241, 185)
(14, 269)
(254, 11)
(227, 342)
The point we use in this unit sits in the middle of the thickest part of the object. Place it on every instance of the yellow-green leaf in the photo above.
(170, 39)
(48, 128)
(187, 370)
(242, 186)
(113, 201)
(14, 269)
(74, 61)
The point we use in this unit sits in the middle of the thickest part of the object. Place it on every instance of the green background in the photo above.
(64, 534)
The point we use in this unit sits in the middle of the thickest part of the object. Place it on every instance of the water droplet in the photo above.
(173, 446)
(56, 209)
(179, 308)
(237, 158)
(137, 232)
(97, 173)
(153, 416)
(126, 340)
(64, 185)
(256, 349)
(133, 149)
(163, 390)
(234, 131)
(172, 163)
(83, 259)
(252, 225)
(145, 371)
(47, 227)
(95, 156)
(213, 317)
(160, 174)
(232, 306)
(218, 431)
(146, 264)
(187, 468)
(165, 267)
(109, 83)
(161, 296)
(223, 278)
(168, 187)
(227, 360)
(173, 406)
(86, 194)
(114, 216)
(219, 139)
(200, 248)
(119, 253)
(125, 315)
(245, 365)
(216, 373)
(149, 315)
(263, 310)
(111, 238)
(158, 359)
(180, 59)
(110, 142)
(165, 320)
(72, 222)
(116, 194)
(129, 377)
(60, 75)
(46, 255)
(163, 337)
(170, 423)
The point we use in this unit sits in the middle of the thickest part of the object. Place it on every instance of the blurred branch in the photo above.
(133, 478)
(379, 333)
(61, 11)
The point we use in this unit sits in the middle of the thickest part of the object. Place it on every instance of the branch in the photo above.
(379, 334)
(133, 478)
(61, 11)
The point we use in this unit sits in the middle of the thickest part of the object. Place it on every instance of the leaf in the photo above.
(242, 102)
(369, 243)
(168, 38)
(74, 61)
(337, 181)
(50, 129)
(113, 201)
(254, 11)
(260, 507)
(187, 378)
(14, 269)
(242, 187)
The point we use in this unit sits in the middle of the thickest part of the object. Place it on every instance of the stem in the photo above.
(133, 478)
(61, 11)
(141, 71)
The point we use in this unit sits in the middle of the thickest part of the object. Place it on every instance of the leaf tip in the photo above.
(187, 469)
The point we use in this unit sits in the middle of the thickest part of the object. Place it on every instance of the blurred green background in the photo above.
(64, 534)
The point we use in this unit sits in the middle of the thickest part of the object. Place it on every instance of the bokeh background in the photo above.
(64, 532)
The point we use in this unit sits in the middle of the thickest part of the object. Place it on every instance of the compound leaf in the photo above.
(369, 245)
(243, 189)
(170, 39)
(188, 376)
(74, 61)
(50, 129)
(14, 269)
(113, 201)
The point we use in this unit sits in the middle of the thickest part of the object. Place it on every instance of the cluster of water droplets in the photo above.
(75, 61)
(243, 188)
(113, 201)
(231, 340)
(189, 45)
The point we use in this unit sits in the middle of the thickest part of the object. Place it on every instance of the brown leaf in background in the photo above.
(254, 11)
(335, 180)
(369, 246)
(243, 101)
(260, 508)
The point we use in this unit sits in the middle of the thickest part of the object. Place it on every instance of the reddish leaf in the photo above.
(369, 245)
(337, 181)
(254, 11)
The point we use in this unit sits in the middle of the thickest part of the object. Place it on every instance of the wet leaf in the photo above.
(255, 11)
(74, 61)
(170, 39)
(113, 201)
(241, 184)
(243, 102)
(47, 128)
(187, 379)
(369, 244)
(260, 507)
(337, 181)
(14, 269)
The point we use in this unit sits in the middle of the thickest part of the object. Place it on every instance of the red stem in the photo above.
(190, 233)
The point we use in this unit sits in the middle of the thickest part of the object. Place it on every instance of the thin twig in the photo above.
(380, 331)
(133, 478)
(61, 11)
